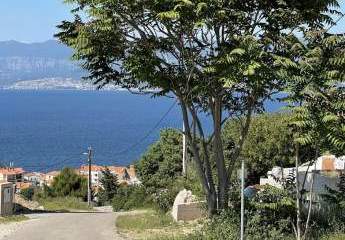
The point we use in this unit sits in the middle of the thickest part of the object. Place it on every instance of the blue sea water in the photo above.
(45, 130)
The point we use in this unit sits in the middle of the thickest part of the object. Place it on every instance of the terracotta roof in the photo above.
(53, 173)
(94, 168)
(38, 174)
(117, 170)
(10, 171)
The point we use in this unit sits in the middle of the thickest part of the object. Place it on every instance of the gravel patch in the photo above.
(8, 228)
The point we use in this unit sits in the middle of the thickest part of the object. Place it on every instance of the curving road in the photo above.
(67, 226)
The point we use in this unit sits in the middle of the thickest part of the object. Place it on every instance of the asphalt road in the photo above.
(67, 226)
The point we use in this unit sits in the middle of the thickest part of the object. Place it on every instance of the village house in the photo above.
(96, 172)
(11, 174)
(35, 178)
(14, 176)
(49, 177)
(320, 174)
(125, 175)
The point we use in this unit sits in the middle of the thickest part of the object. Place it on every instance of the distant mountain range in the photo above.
(31, 61)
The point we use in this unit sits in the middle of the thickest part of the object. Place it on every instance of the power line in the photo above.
(131, 147)
(139, 142)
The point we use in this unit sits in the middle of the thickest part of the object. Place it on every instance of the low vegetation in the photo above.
(14, 218)
(63, 204)
(152, 225)
(67, 192)
(339, 236)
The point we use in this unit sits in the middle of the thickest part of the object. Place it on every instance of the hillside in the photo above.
(29, 61)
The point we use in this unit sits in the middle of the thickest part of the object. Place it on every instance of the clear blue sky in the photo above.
(31, 20)
(35, 20)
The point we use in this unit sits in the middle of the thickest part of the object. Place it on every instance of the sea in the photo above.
(44, 130)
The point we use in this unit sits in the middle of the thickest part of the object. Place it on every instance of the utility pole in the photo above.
(89, 183)
(242, 200)
(184, 152)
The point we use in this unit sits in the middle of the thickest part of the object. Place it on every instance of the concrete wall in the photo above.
(6, 198)
(187, 211)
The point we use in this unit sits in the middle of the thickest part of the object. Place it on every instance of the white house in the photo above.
(36, 178)
(321, 174)
(125, 175)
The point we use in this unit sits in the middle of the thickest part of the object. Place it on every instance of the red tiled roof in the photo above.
(38, 174)
(10, 171)
(94, 168)
(53, 173)
(117, 170)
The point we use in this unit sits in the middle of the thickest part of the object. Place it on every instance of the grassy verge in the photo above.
(339, 236)
(151, 225)
(14, 218)
(63, 204)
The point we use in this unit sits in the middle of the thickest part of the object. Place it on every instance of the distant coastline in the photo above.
(64, 84)
(55, 84)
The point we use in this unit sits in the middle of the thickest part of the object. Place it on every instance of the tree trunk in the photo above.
(219, 155)
(298, 197)
(311, 190)
(203, 167)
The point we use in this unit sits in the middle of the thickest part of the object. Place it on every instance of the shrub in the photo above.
(131, 197)
(69, 183)
(224, 226)
(118, 203)
(270, 214)
(44, 192)
(109, 188)
(28, 193)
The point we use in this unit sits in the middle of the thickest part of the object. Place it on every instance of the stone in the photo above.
(186, 207)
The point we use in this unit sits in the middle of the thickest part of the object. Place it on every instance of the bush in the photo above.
(27, 193)
(164, 199)
(118, 203)
(131, 197)
(69, 183)
(224, 226)
(44, 192)
(270, 214)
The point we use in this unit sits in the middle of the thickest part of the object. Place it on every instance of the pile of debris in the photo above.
(22, 205)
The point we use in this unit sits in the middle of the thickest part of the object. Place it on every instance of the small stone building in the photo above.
(6, 198)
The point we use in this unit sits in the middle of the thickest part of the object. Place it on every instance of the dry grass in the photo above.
(14, 218)
(63, 204)
(339, 236)
(151, 225)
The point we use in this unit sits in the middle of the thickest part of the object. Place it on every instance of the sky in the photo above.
(31, 20)
(36, 20)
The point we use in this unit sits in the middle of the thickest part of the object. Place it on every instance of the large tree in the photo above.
(214, 56)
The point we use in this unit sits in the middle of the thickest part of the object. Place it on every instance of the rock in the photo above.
(186, 207)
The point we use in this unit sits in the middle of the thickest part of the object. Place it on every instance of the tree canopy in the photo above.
(109, 186)
(218, 57)
(69, 183)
